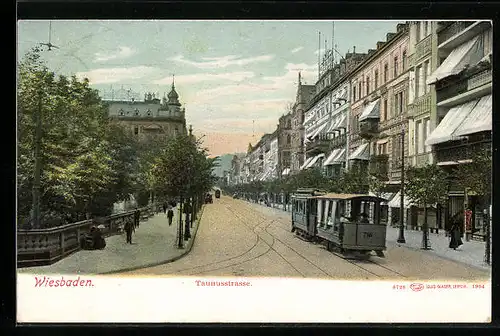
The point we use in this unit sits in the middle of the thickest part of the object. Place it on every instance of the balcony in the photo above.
(319, 145)
(379, 166)
(420, 160)
(460, 31)
(339, 141)
(421, 105)
(368, 128)
(462, 150)
(465, 87)
(422, 49)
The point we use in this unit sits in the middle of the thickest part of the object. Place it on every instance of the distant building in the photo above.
(150, 117)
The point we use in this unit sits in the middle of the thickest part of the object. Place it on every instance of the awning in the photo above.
(383, 141)
(479, 119)
(387, 196)
(371, 111)
(340, 123)
(361, 153)
(447, 163)
(330, 157)
(395, 202)
(306, 163)
(457, 60)
(340, 157)
(286, 171)
(333, 124)
(314, 160)
(318, 130)
(452, 120)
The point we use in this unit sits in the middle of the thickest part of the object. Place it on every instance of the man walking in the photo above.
(129, 226)
(170, 215)
(137, 217)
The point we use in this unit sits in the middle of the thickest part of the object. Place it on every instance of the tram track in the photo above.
(248, 251)
(356, 263)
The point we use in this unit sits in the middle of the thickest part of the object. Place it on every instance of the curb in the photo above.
(158, 263)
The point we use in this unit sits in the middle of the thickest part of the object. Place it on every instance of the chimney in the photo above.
(380, 44)
(400, 27)
(354, 50)
(389, 36)
(371, 51)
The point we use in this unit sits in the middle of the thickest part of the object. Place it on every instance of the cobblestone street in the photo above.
(237, 238)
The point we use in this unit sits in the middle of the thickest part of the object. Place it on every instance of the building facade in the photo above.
(152, 117)
(463, 115)
(284, 135)
(379, 91)
(302, 99)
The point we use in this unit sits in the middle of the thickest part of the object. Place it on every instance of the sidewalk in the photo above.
(153, 243)
(470, 253)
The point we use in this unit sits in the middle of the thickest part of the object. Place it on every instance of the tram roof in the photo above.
(350, 196)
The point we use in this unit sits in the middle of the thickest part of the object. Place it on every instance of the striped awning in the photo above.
(361, 153)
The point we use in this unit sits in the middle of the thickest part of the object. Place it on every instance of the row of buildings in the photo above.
(423, 96)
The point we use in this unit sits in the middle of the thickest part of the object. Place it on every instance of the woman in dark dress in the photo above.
(455, 235)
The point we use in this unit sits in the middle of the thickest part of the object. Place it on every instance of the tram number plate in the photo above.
(367, 234)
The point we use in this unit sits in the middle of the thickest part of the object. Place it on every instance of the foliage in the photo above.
(182, 168)
(475, 177)
(87, 163)
(353, 181)
(426, 185)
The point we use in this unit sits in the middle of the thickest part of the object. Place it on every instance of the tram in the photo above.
(348, 223)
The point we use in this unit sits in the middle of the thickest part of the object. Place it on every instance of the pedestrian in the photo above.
(170, 215)
(165, 207)
(455, 240)
(129, 227)
(137, 217)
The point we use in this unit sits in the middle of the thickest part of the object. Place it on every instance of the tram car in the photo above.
(348, 223)
(217, 193)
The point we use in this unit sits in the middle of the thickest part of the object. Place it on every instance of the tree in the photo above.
(425, 186)
(354, 181)
(475, 177)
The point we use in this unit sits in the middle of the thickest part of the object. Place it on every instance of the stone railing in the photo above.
(452, 29)
(423, 48)
(421, 105)
(46, 246)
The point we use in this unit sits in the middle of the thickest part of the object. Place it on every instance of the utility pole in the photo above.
(35, 211)
(401, 238)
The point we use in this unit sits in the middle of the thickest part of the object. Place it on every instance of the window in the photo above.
(360, 94)
(425, 25)
(427, 131)
(136, 130)
(401, 102)
(404, 65)
(424, 76)
(418, 71)
(121, 112)
(376, 79)
(386, 72)
(354, 92)
(288, 139)
(176, 131)
(368, 85)
(418, 137)
(396, 104)
(417, 31)
(384, 111)
(395, 66)
(136, 112)
(149, 112)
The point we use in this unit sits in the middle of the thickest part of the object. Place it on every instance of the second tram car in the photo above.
(349, 222)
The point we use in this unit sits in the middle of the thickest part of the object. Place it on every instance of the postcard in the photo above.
(231, 171)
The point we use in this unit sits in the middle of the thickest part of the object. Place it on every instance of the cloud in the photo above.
(203, 77)
(115, 75)
(293, 51)
(285, 84)
(222, 62)
(123, 52)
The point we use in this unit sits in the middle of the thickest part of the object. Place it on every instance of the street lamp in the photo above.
(401, 238)
(486, 225)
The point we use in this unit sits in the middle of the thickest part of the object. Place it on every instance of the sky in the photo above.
(235, 78)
